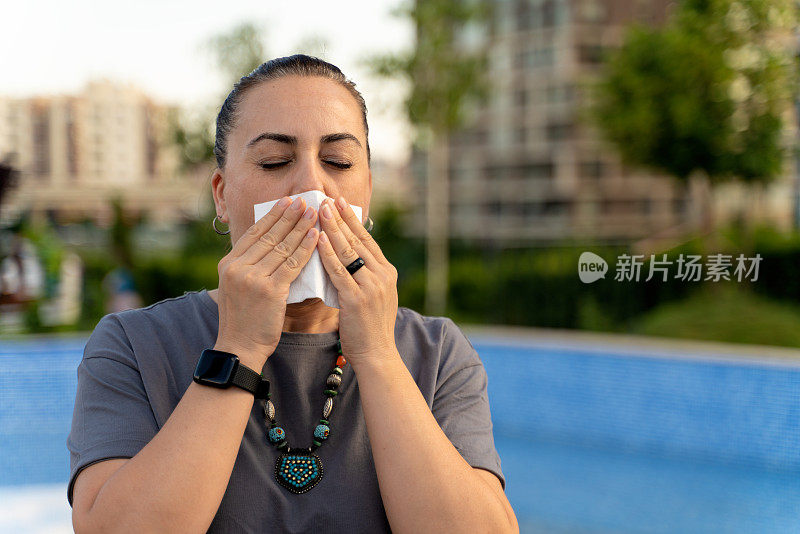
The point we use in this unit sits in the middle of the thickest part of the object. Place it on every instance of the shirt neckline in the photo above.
(287, 338)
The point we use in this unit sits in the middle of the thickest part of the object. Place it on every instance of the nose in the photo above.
(309, 174)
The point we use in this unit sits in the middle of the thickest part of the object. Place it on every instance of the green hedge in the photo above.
(533, 287)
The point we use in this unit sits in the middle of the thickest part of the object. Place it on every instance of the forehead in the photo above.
(305, 106)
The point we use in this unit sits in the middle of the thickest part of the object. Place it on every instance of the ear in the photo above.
(218, 191)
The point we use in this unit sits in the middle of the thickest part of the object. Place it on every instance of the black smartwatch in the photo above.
(220, 369)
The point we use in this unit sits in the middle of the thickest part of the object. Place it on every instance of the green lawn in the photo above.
(729, 314)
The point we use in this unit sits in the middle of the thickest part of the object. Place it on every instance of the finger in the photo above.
(266, 242)
(340, 278)
(292, 265)
(260, 226)
(347, 246)
(283, 250)
(351, 237)
(349, 217)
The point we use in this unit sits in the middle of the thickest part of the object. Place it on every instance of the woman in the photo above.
(393, 434)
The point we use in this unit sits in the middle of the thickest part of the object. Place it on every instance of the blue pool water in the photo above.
(592, 439)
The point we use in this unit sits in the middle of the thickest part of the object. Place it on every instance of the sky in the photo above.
(56, 46)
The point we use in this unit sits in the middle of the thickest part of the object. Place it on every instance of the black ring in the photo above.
(356, 265)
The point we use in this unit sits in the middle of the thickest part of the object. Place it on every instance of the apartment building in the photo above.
(75, 152)
(529, 169)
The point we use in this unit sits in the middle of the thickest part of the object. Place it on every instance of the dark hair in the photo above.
(298, 65)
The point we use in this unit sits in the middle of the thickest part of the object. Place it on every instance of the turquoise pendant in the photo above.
(298, 470)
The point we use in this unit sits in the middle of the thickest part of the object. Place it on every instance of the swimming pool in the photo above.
(593, 438)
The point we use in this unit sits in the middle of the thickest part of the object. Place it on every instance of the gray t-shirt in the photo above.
(138, 363)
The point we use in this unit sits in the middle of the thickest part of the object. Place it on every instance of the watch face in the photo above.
(215, 368)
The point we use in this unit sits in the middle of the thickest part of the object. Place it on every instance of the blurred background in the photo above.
(508, 138)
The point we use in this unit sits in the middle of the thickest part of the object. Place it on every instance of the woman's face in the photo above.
(292, 135)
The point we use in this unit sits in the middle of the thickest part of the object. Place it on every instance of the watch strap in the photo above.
(246, 378)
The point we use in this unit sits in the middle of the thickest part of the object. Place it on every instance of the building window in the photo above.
(525, 15)
(554, 207)
(41, 140)
(592, 169)
(560, 93)
(537, 170)
(592, 11)
(520, 98)
(558, 131)
(151, 145)
(619, 207)
(590, 54)
(537, 58)
(531, 209)
(528, 171)
(496, 172)
(72, 149)
(520, 135)
(534, 15)
(548, 8)
(494, 208)
(456, 174)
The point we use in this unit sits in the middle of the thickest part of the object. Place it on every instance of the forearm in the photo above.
(177, 481)
(426, 485)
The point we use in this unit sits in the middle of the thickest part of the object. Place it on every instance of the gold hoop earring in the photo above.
(214, 226)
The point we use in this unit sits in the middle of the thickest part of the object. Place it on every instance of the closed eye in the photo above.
(338, 165)
(272, 165)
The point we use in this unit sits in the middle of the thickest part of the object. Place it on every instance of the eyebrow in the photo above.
(292, 140)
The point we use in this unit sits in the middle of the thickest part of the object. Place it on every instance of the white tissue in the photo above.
(313, 280)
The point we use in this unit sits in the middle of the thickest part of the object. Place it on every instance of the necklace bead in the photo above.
(276, 434)
(321, 432)
(334, 380)
(326, 410)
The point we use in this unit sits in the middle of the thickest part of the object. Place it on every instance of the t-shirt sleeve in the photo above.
(112, 417)
(461, 402)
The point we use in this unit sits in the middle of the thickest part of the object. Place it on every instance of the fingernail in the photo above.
(340, 203)
(284, 202)
(323, 237)
(309, 213)
(326, 211)
(296, 204)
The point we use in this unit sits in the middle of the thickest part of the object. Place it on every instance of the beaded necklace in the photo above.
(299, 470)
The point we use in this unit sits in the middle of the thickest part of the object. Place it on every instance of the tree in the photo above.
(121, 234)
(445, 74)
(234, 53)
(703, 98)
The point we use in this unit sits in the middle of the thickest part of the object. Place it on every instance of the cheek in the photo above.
(240, 204)
(359, 198)
(246, 195)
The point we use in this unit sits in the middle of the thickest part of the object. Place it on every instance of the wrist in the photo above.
(223, 369)
(377, 362)
(249, 356)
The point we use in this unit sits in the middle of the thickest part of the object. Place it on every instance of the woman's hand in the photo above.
(254, 280)
(367, 298)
